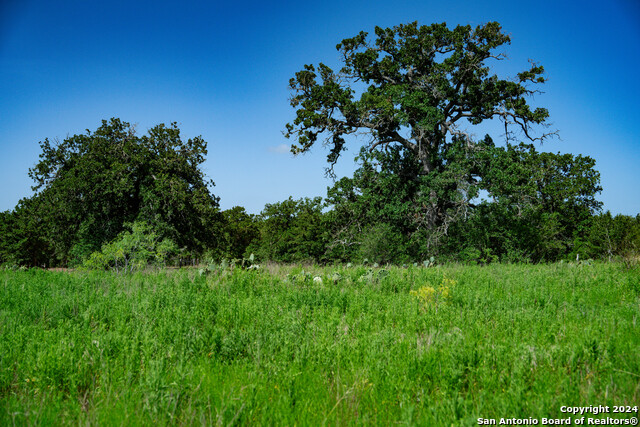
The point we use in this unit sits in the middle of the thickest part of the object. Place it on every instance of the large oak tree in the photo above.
(420, 87)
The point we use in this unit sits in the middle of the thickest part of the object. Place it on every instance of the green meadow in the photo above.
(284, 345)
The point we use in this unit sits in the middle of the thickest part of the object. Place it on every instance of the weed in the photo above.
(430, 296)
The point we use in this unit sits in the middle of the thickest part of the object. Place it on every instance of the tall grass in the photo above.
(358, 347)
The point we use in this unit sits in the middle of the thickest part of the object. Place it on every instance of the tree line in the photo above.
(425, 186)
(537, 207)
(102, 197)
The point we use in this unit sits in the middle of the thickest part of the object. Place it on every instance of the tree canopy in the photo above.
(90, 186)
(535, 206)
(423, 83)
(417, 87)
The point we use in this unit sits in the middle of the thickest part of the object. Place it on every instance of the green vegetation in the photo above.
(317, 346)
(419, 87)
(90, 186)
(424, 188)
(132, 250)
(123, 340)
(291, 231)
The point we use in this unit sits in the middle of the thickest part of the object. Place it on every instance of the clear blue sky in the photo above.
(221, 69)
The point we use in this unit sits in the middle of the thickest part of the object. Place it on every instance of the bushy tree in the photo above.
(539, 205)
(23, 235)
(611, 236)
(291, 231)
(549, 198)
(89, 185)
(134, 249)
(240, 230)
(377, 206)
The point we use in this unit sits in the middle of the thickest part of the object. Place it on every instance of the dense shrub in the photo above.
(131, 250)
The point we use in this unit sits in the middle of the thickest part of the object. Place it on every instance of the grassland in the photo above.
(356, 346)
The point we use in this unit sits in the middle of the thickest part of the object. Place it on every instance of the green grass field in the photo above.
(278, 347)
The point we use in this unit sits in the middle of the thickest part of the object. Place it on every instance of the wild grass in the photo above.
(275, 347)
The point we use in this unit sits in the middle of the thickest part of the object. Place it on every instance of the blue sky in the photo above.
(221, 69)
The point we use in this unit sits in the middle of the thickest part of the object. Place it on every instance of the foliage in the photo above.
(90, 185)
(371, 213)
(248, 348)
(612, 236)
(537, 206)
(417, 87)
(228, 266)
(429, 296)
(133, 250)
(414, 88)
(541, 202)
(240, 230)
(382, 244)
(291, 231)
(23, 235)
(424, 188)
